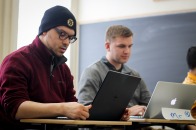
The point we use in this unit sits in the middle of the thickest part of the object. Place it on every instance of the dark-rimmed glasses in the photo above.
(63, 35)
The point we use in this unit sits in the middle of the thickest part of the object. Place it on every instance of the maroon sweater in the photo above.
(28, 74)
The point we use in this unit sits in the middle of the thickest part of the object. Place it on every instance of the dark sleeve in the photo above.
(88, 86)
(145, 94)
(13, 84)
(141, 95)
(70, 92)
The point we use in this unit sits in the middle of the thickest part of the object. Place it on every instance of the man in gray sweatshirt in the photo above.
(118, 44)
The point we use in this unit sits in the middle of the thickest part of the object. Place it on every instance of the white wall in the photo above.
(104, 10)
(28, 23)
(30, 15)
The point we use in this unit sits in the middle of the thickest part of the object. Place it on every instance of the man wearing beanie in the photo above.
(35, 81)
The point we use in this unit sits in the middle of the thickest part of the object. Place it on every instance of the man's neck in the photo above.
(116, 65)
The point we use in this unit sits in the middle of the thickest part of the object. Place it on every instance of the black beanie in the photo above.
(57, 16)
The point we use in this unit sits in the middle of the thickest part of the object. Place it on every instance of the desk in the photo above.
(175, 124)
(163, 121)
(75, 123)
(87, 123)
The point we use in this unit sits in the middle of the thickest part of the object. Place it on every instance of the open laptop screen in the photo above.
(113, 96)
(170, 95)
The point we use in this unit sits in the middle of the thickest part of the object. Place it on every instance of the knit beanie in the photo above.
(57, 16)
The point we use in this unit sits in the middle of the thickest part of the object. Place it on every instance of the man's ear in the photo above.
(44, 33)
(107, 46)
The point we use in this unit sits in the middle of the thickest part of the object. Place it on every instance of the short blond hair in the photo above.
(117, 31)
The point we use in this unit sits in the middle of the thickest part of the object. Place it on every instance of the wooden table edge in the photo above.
(75, 122)
(164, 121)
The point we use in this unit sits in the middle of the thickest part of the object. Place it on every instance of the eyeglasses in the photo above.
(63, 35)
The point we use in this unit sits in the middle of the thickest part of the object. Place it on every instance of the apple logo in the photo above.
(173, 101)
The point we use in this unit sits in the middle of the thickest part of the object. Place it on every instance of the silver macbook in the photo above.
(170, 95)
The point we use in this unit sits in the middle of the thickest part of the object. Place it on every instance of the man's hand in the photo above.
(75, 110)
(136, 110)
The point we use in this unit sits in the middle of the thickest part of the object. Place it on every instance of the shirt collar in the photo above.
(109, 65)
(45, 54)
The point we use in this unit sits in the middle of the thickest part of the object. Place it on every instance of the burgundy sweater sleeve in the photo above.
(13, 84)
(70, 93)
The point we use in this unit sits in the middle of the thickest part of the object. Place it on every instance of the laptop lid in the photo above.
(170, 95)
(113, 96)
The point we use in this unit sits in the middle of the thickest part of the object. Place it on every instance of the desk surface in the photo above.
(163, 121)
(75, 122)
(88, 122)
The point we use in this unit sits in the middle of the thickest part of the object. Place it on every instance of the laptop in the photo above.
(170, 95)
(113, 96)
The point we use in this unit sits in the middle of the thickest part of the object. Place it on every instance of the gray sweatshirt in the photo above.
(93, 76)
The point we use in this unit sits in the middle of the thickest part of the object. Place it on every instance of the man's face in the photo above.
(54, 43)
(119, 50)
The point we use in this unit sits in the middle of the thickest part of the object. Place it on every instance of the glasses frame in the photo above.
(63, 35)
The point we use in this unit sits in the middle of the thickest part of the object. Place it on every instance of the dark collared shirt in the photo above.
(109, 65)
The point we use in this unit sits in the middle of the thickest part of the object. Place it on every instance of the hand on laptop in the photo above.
(76, 111)
(136, 110)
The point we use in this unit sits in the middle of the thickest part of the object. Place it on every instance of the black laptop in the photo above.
(113, 96)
